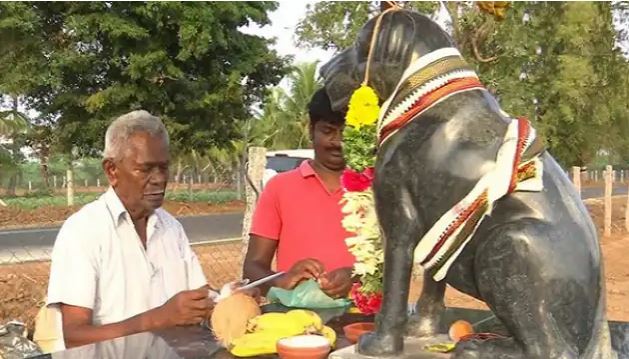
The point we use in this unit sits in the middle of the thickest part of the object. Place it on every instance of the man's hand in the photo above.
(186, 308)
(337, 283)
(304, 269)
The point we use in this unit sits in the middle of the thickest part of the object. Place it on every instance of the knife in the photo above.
(259, 281)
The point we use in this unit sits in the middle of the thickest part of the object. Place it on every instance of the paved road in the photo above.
(599, 192)
(37, 242)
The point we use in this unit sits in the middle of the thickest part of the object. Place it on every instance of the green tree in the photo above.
(334, 24)
(186, 62)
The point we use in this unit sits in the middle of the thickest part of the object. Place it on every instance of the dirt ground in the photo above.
(12, 217)
(23, 286)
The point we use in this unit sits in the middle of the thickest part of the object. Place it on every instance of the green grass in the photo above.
(214, 197)
(32, 202)
(35, 201)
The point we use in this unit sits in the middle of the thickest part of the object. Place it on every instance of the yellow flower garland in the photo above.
(363, 107)
(358, 207)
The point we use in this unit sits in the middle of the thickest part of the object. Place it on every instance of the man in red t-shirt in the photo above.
(298, 215)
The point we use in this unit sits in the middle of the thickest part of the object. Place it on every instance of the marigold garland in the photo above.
(363, 108)
(359, 147)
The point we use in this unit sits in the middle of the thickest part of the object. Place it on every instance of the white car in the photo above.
(285, 160)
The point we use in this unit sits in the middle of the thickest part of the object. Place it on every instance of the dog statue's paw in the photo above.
(375, 344)
(423, 327)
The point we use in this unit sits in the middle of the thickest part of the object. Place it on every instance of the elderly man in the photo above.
(123, 265)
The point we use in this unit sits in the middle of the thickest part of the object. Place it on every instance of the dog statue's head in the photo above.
(403, 36)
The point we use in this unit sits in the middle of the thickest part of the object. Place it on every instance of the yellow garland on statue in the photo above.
(359, 211)
(358, 205)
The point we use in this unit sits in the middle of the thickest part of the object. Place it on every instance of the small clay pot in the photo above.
(355, 330)
(303, 347)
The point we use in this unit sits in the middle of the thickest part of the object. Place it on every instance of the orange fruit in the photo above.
(459, 329)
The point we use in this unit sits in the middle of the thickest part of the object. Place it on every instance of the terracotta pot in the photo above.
(303, 347)
(355, 330)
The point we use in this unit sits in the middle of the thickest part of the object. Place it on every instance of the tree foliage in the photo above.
(335, 24)
(79, 64)
(557, 63)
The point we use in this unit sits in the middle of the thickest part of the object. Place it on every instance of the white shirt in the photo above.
(98, 262)
(141, 345)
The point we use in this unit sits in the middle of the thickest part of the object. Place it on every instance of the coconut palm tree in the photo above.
(284, 121)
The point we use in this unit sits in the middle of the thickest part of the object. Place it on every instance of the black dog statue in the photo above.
(534, 258)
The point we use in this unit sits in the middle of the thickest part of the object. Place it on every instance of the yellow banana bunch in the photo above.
(310, 319)
(253, 344)
(265, 330)
(330, 334)
(275, 322)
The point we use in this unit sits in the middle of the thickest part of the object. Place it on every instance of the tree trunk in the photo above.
(45, 174)
(15, 150)
(70, 184)
(179, 170)
(12, 185)
(238, 172)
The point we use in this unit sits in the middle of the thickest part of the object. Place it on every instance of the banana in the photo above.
(273, 322)
(330, 334)
(265, 330)
(309, 319)
(253, 344)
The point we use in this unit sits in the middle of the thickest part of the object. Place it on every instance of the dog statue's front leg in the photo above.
(429, 309)
(388, 339)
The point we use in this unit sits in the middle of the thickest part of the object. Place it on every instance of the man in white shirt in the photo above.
(123, 265)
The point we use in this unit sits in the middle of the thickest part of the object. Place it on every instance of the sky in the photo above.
(283, 24)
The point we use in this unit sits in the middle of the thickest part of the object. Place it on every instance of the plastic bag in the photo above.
(14, 344)
(306, 295)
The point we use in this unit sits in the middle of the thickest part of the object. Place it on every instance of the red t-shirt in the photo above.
(297, 210)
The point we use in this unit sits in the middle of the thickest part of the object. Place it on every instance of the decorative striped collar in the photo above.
(427, 81)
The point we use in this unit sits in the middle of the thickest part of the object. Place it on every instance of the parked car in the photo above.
(285, 160)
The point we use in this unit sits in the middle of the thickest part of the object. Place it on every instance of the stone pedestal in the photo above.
(413, 349)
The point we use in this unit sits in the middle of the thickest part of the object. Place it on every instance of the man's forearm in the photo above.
(77, 335)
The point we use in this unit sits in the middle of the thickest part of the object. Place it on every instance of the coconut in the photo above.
(230, 317)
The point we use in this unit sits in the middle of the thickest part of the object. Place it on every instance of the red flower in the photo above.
(353, 181)
(367, 303)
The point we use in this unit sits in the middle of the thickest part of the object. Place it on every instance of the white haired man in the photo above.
(123, 265)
